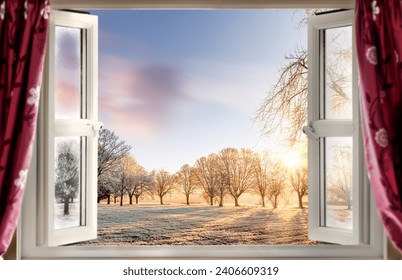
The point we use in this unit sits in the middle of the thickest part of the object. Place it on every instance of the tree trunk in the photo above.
(66, 206)
(275, 202)
(188, 199)
(349, 203)
(131, 199)
(263, 200)
(221, 201)
(115, 199)
(99, 199)
(300, 201)
(121, 200)
(236, 198)
(211, 200)
(161, 199)
(136, 200)
(108, 199)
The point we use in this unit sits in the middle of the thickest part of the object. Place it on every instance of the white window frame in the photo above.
(50, 128)
(29, 246)
(322, 128)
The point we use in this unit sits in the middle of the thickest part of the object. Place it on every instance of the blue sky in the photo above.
(178, 85)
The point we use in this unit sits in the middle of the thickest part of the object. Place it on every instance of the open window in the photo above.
(68, 132)
(336, 174)
(66, 154)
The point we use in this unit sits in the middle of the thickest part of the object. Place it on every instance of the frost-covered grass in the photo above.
(66, 221)
(133, 225)
(339, 216)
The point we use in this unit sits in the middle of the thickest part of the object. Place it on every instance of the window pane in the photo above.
(68, 181)
(339, 181)
(338, 73)
(68, 73)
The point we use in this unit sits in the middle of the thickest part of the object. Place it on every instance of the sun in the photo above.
(291, 160)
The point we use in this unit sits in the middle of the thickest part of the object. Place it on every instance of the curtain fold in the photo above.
(23, 35)
(379, 52)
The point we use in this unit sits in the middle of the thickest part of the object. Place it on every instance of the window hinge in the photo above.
(309, 131)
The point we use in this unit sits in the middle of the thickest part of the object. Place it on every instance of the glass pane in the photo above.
(68, 181)
(68, 73)
(339, 181)
(338, 73)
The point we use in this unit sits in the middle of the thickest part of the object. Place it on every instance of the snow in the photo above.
(174, 224)
(66, 221)
(338, 216)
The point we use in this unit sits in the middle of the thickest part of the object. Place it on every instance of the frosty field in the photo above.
(150, 224)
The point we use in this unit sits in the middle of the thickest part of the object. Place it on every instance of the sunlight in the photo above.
(292, 160)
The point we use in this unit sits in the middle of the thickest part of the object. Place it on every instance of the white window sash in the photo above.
(331, 128)
(53, 128)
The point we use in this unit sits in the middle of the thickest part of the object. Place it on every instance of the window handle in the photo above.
(309, 131)
(96, 126)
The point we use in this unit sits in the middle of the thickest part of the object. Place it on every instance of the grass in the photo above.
(151, 224)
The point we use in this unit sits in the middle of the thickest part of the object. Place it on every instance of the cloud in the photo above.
(67, 100)
(68, 48)
(135, 98)
(67, 74)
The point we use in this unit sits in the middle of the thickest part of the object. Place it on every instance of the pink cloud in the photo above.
(67, 100)
(136, 98)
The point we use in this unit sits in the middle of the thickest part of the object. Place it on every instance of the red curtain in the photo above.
(379, 51)
(23, 34)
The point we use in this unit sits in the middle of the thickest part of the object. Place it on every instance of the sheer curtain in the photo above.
(23, 35)
(379, 51)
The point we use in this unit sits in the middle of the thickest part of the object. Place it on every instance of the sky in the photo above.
(179, 85)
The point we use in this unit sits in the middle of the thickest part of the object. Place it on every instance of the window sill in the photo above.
(206, 252)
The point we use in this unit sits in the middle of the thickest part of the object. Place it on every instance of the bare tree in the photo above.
(307, 13)
(285, 106)
(238, 166)
(186, 180)
(299, 183)
(269, 179)
(122, 176)
(67, 174)
(140, 182)
(205, 172)
(104, 188)
(222, 186)
(163, 183)
(115, 194)
(118, 189)
(286, 101)
(276, 185)
(114, 189)
(286, 194)
(142, 185)
(261, 178)
(110, 150)
(340, 179)
(339, 70)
